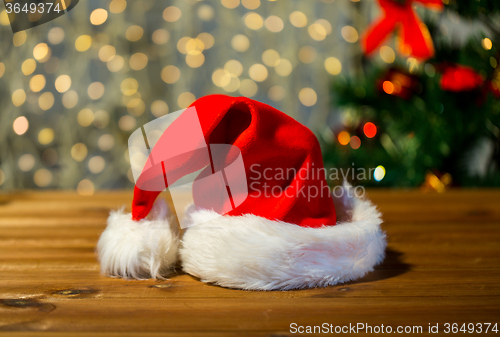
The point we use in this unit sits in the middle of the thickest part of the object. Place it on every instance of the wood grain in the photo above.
(442, 266)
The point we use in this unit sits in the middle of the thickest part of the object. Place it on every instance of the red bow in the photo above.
(415, 38)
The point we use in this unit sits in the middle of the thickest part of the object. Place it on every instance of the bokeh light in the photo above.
(18, 97)
(134, 33)
(308, 96)
(370, 130)
(79, 152)
(83, 43)
(172, 14)
(170, 74)
(344, 138)
(240, 43)
(333, 65)
(379, 173)
(26, 162)
(355, 142)
(63, 83)
(98, 16)
(42, 178)
(85, 188)
(350, 34)
(46, 101)
(37, 83)
(46, 136)
(298, 19)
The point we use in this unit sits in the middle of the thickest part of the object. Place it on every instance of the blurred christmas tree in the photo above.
(429, 117)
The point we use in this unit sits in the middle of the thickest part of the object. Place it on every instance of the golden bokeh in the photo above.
(117, 6)
(85, 117)
(221, 77)
(26, 162)
(317, 32)
(250, 4)
(206, 13)
(274, 24)
(233, 67)
(56, 35)
(307, 54)
(333, 65)
(20, 125)
(182, 43)
(298, 19)
(185, 99)
(253, 20)
(284, 67)
(46, 136)
(83, 43)
(160, 36)
(96, 164)
(18, 97)
(46, 101)
(79, 152)
(195, 60)
(207, 39)
(325, 24)
(486, 43)
(70, 99)
(276, 93)
(19, 38)
(41, 52)
(85, 188)
(2, 69)
(98, 16)
(106, 53)
(233, 85)
(37, 83)
(4, 18)
(106, 142)
(134, 33)
(350, 34)
(129, 86)
(63, 83)
(308, 96)
(159, 108)
(127, 123)
(344, 137)
(42, 177)
(270, 57)
(116, 63)
(95, 90)
(248, 88)
(136, 107)
(258, 72)
(138, 61)
(172, 14)
(194, 46)
(387, 54)
(230, 3)
(101, 119)
(240, 43)
(28, 67)
(170, 74)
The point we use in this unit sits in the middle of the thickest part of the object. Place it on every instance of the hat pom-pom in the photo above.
(139, 249)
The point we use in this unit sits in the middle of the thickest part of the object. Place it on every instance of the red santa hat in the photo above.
(289, 231)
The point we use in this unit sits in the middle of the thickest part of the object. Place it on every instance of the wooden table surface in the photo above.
(442, 266)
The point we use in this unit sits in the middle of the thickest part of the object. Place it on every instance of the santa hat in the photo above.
(289, 232)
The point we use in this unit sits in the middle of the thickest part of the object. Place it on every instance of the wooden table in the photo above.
(442, 266)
